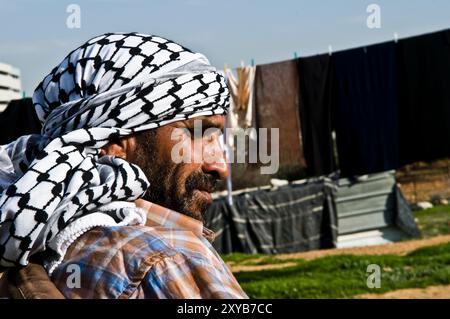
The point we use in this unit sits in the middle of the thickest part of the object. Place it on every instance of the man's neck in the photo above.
(158, 216)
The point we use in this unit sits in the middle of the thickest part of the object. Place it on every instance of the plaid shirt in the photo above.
(169, 257)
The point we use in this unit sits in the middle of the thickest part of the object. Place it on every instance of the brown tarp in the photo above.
(277, 106)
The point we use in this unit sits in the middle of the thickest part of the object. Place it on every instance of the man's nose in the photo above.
(215, 163)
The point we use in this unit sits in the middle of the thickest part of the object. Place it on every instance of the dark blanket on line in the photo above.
(18, 119)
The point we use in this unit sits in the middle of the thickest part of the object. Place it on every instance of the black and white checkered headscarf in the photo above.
(54, 186)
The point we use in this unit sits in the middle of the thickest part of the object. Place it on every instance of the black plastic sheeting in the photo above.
(404, 218)
(290, 219)
(302, 217)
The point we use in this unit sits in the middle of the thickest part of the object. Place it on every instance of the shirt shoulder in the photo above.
(126, 261)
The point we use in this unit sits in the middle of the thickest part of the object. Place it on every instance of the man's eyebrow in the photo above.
(206, 124)
(210, 124)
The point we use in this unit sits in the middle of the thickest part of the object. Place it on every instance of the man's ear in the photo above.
(123, 147)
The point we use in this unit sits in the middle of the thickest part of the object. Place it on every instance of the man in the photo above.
(100, 198)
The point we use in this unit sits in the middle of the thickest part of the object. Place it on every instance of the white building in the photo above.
(10, 86)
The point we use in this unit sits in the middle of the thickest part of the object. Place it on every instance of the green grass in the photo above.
(434, 221)
(241, 258)
(254, 259)
(345, 276)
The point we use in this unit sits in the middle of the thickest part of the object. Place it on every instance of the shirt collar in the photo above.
(161, 216)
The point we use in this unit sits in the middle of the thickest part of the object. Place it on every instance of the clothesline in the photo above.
(384, 107)
(329, 50)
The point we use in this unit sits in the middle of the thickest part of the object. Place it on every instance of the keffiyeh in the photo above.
(54, 186)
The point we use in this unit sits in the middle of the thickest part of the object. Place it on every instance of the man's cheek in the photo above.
(186, 149)
(181, 149)
(182, 173)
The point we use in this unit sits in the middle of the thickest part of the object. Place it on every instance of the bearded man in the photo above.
(98, 198)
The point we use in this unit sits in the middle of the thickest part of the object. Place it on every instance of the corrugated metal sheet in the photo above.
(372, 237)
(367, 209)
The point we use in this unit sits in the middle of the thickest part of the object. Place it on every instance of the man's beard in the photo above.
(168, 187)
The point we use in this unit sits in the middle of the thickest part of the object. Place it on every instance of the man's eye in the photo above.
(208, 133)
(213, 134)
(192, 132)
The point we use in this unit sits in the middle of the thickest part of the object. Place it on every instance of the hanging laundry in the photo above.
(366, 112)
(317, 88)
(276, 106)
(241, 117)
(19, 118)
(241, 91)
(424, 97)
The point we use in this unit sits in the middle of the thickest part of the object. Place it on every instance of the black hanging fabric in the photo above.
(424, 91)
(317, 87)
(366, 110)
(19, 118)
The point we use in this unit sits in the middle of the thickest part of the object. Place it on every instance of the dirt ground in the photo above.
(425, 181)
(433, 292)
(399, 248)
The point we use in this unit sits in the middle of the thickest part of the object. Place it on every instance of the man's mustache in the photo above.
(201, 181)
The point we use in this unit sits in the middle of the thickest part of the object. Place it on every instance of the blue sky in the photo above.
(34, 36)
